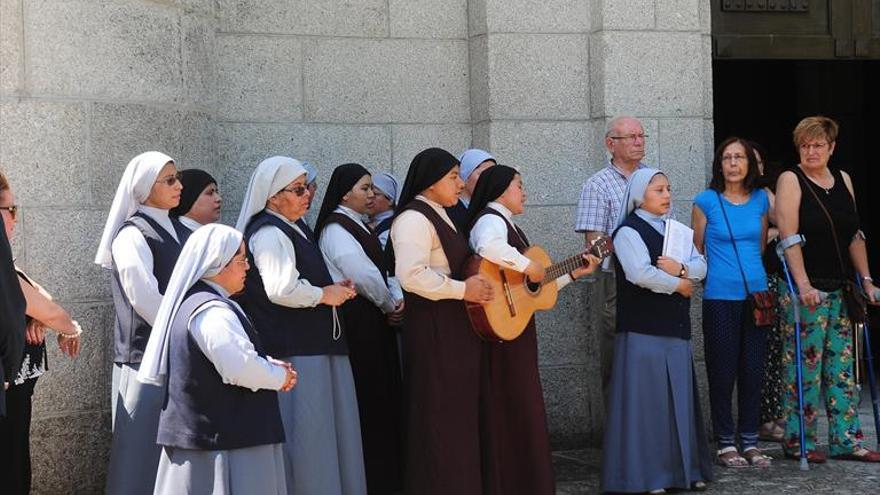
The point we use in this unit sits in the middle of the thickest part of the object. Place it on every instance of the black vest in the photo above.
(131, 332)
(291, 331)
(383, 226)
(641, 310)
(200, 411)
(459, 215)
(369, 241)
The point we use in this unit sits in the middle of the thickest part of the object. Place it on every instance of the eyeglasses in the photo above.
(11, 209)
(169, 180)
(298, 190)
(733, 158)
(629, 137)
(813, 146)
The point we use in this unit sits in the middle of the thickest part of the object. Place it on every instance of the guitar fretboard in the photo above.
(567, 265)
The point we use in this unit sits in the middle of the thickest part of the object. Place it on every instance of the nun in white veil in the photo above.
(140, 245)
(220, 429)
(292, 300)
(653, 355)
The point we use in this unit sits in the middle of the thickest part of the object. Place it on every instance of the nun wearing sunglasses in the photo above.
(293, 301)
(140, 245)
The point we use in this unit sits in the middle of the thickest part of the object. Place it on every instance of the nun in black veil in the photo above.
(517, 456)
(441, 350)
(352, 252)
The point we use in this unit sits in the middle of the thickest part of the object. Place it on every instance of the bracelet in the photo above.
(75, 335)
(868, 278)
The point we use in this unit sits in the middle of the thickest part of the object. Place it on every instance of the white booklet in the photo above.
(678, 241)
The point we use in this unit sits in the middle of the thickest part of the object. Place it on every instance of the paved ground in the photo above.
(577, 471)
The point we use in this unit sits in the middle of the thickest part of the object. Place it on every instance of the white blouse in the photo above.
(421, 265)
(275, 258)
(489, 240)
(346, 259)
(217, 331)
(134, 264)
(189, 222)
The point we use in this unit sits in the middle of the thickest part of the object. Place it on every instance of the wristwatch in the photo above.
(683, 271)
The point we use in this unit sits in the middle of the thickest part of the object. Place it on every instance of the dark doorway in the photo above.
(763, 100)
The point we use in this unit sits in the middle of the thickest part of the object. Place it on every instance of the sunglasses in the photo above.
(11, 209)
(298, 190)
(169, 180)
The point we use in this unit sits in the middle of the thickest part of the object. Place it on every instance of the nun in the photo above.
(352, 252)
(387, 189)
(220, 429)
(473, 163)
(140, 245)
(517, 450)
(200, 199)
(292, 301)
(441, 349)
(654, 434)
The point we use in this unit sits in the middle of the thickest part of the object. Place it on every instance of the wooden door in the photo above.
(796, 29)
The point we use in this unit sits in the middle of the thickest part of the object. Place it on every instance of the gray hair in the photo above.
(612, 124)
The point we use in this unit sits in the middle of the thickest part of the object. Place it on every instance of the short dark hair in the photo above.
(717, 182)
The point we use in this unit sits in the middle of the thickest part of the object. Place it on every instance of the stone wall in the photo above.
(86, 85)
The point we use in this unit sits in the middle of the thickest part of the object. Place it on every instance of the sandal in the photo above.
(756, 458)
(861, 454)
(729, 457)
(813, 456)
(771, 431)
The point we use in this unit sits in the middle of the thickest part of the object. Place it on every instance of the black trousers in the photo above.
(15, 439)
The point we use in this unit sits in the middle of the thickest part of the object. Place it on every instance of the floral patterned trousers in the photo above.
(827, 360)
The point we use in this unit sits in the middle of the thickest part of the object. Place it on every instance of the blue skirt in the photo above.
(134, 453)
(654, 433)
(322, 450)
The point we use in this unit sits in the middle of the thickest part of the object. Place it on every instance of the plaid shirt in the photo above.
(600, 201)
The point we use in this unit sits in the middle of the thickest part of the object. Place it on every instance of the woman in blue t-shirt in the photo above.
(730, 228)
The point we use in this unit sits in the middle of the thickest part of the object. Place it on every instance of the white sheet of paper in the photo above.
(678, 241)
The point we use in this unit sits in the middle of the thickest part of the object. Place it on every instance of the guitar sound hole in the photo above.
(533, 287)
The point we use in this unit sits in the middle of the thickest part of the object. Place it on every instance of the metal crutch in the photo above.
(780, 251)
(872, 378)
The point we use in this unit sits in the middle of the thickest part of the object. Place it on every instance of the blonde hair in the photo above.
(4, 183)
(816, 127)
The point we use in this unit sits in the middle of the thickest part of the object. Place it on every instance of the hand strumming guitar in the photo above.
(535, 272)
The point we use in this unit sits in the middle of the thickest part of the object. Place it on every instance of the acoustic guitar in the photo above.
(516, 299)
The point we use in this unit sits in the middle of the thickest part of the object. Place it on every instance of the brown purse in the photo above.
(856, 304)
(762, 302)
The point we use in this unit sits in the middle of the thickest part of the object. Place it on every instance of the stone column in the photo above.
(545, 79)
(530, 105)
(84, 87)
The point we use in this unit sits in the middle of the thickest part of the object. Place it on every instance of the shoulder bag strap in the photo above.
(735, 251)
(803, 178)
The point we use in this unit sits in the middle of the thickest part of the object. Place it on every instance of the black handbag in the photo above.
(763, 302)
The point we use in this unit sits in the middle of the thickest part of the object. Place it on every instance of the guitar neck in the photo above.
(567, 265)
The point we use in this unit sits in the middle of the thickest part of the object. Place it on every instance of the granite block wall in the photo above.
(222, 84)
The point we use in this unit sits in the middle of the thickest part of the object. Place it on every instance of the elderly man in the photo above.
(597, 211)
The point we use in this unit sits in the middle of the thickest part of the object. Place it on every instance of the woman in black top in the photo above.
(819, 204)
(41, 313)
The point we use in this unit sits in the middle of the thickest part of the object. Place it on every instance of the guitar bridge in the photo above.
(507, 295)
